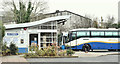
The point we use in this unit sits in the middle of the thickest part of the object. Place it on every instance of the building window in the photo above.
(48, 38)
(49, 25)
(43, 27)
(34, 27)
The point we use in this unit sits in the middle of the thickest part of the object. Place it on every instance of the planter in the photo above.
(53, 57)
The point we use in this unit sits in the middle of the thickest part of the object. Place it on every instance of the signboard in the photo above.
(12, 34)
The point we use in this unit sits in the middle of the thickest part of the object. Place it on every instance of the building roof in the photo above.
(11, 26)
(57, 11)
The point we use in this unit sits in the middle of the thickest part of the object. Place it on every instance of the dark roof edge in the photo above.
(57, 11)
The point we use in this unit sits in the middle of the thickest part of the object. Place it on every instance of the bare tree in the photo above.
(90, 22)
(39, 6)
(76, 25)
(110, 21)
(95, 23)
(2, 32)
(62, 28)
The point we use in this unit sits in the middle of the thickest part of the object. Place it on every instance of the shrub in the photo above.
(5, 50)
(40, 52)
(51, 52)
(67, 47)
(28, 55)
(33, 48)
(69, 52)
(13, 49)
(62, 53)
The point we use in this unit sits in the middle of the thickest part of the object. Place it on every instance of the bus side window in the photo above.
(96, 33)
(111, 33)
(108, 33)
(115, 33)
(119, 33)
(79, 34)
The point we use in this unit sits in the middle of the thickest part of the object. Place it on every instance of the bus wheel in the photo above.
(86, 48)
(110, 50)
(118, 49)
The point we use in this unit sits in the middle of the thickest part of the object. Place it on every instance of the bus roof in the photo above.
(87, 29)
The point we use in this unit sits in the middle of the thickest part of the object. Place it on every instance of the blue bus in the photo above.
(90, 39)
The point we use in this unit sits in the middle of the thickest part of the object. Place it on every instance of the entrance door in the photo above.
(33, 41)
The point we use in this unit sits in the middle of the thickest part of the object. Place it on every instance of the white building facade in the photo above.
(34, 33)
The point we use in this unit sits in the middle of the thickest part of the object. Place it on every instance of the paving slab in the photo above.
(13, 59)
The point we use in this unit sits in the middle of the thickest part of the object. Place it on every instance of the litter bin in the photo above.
(63, 47)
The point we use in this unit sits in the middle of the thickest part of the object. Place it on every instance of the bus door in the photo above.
(74, 40)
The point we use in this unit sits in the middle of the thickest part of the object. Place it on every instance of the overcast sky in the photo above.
(94, 8)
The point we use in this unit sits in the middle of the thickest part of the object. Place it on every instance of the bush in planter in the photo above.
(5, 50)
(28, 55)
(33, 48)
(55, 48)
(67, 47)
(69, 52)
(51, 52)
(40, 52)
(13, 49)
(62, 53)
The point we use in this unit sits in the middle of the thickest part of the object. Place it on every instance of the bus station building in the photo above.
(33, 33)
